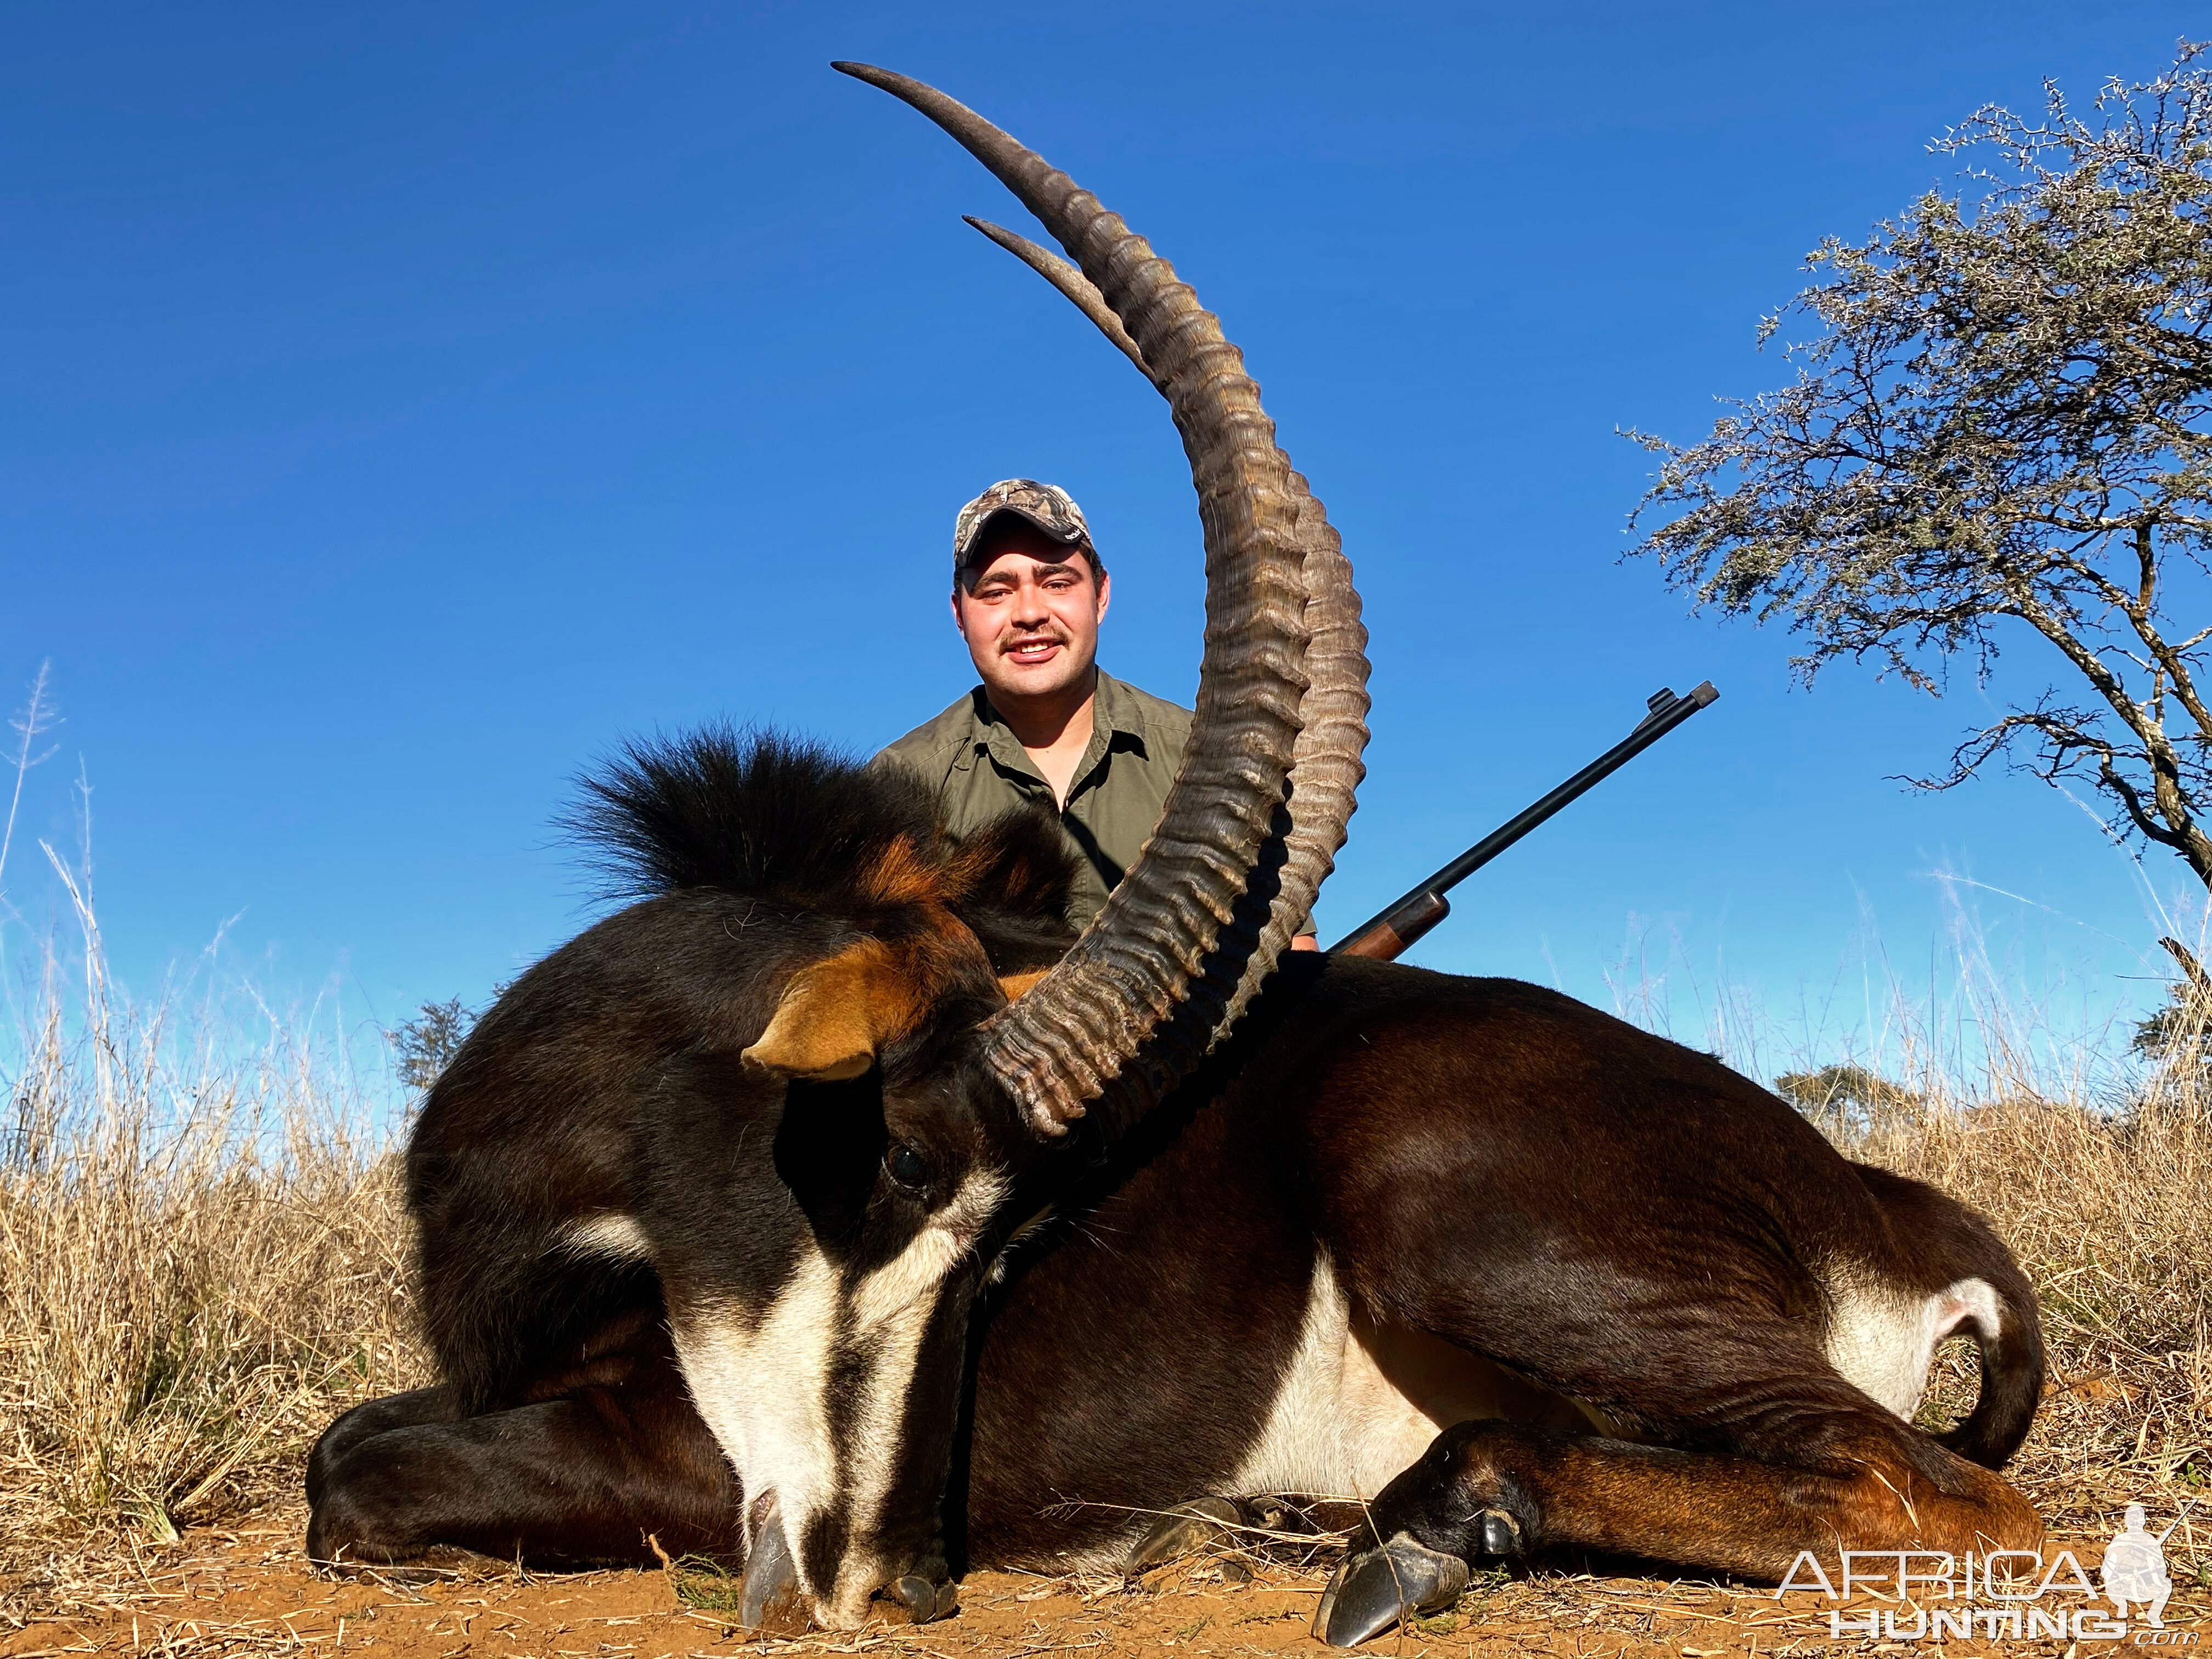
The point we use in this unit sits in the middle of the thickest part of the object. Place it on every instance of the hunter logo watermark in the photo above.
(2015, 1594)
(2134, 1569)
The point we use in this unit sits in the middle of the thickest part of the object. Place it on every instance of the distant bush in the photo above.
(423, 1046)
(1839, 1090)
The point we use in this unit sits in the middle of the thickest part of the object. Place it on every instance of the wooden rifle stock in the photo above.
(1411, 913)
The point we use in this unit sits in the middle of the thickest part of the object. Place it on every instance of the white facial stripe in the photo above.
(1881, 1336)
(892, 1306)
(763, 1390)
(916, 1272)
(609, 1235)
(873, 1459)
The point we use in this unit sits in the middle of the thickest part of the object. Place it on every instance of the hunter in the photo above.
(1046, 727)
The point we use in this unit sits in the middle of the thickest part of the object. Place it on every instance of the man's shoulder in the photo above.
(934, 742)
(1155, 718)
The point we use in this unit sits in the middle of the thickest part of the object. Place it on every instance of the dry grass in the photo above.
(201, 1262)
(2104, 1197)
(2110, 1215)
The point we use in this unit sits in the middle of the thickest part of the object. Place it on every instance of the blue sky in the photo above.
(403, 402)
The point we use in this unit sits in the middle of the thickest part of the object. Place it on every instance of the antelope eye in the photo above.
(905, 1166)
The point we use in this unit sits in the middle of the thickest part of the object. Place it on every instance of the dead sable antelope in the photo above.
(759, 1221)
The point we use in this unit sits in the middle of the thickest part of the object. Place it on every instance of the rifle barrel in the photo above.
(1413, 912)
(2178, 1519)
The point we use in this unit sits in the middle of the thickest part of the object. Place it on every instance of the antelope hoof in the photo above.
(923, 1600)
(1496, 1533)
(1374, 1591)
(771, 1601)
(1185, 1528)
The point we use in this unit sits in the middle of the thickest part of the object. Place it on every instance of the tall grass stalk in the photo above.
(201, 1261)
(2110, 1213)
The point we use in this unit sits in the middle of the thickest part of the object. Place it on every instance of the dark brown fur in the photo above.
(1492, 1169)
(1617, 1218)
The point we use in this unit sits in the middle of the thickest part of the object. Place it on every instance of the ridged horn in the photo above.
(1135, 1001)
(1325, 764)
(1076, 287)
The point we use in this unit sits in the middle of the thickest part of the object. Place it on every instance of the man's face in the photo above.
(1029, 608)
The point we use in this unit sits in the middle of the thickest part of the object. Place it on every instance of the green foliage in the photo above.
(1847, 1093)
(2178, 1036)
(2001, 431)
(700, 1581)
(2175, 1037)
(425, 1044)
(2166, 1027)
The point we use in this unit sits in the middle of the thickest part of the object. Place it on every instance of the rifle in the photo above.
(1411, 913)
(2186, 1508)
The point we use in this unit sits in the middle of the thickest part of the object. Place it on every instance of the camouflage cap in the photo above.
(1047, 506)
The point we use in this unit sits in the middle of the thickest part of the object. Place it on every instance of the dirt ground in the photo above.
(250, 1592)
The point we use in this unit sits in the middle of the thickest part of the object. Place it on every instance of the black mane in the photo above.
(760, 812)
(779, 816)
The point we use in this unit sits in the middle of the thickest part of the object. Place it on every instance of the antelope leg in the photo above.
(1856, 1479)
(1185, 1528)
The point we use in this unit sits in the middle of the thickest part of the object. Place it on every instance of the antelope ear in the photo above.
(1014, 984)
(835, 1014)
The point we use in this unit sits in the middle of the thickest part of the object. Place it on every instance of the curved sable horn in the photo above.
(1076, 287)
(1325, 764)
(1129, 1009)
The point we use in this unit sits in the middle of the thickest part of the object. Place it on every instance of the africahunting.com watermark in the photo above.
(2015, 1594)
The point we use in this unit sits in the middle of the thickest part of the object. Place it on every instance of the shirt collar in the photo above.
(1114, 710)
(1114, 714)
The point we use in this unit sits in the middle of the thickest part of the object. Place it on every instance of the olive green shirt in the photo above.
(967, 754)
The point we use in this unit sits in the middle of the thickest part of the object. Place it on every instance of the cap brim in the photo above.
(960, 554)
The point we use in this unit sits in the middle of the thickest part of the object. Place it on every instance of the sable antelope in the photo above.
(827, 1209)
